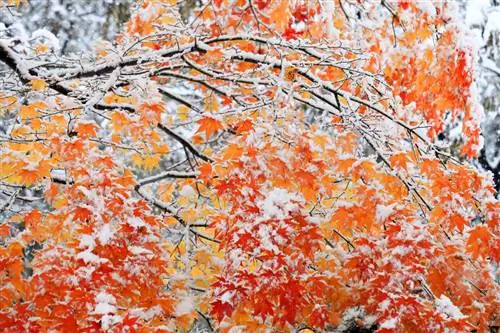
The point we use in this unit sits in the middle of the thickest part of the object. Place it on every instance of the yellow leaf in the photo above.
(27, 112)
(211, 103)
(36, 124)
(60, 202)
(151, 162)
(14, 2)
(161, 149)
(338, 23)
(38, 84)
(183, 113)
(234, 151)
(119, 121)
(196, 272)
(41, 48)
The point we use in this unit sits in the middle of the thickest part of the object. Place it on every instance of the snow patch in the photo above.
(187, 191)
(383, 212)
(184, 306)
(136, 222)
(105, 303)
(279, 203)
(447, 308)
(105, 234)
(389, 323)
(87, 241)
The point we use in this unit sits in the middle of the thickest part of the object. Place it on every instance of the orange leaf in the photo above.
(209, 125)
(33, 218)
(477, 243)
(86, 129)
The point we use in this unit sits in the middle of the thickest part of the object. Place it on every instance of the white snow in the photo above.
(88, 257)
(476, 11)
(105, 303)
(105, 234)
(187, 191)
(136, 222)
(446, 307)
(389, 323)
(279, 202)
(146, 314)
(104, 308)
(50, 39)
(186, 305)
(327, 14)
(139, 250)
(383, 212)
(109, 320)
(104, 297)
(384, 305)
(87, 241)
(226, 297)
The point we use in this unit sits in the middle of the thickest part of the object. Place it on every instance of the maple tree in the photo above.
(266, 165)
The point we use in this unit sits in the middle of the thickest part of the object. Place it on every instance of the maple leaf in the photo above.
(309, 205)
(221, 309)
(209, 125)
(33, 218)
(205, 170)
(243, 126)
(38, 84)
(478, 242)
(4, 230)
(86, 130)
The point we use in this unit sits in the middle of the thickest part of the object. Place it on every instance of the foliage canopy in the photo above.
(266, 165)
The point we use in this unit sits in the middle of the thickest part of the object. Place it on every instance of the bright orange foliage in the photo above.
(265, 166)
